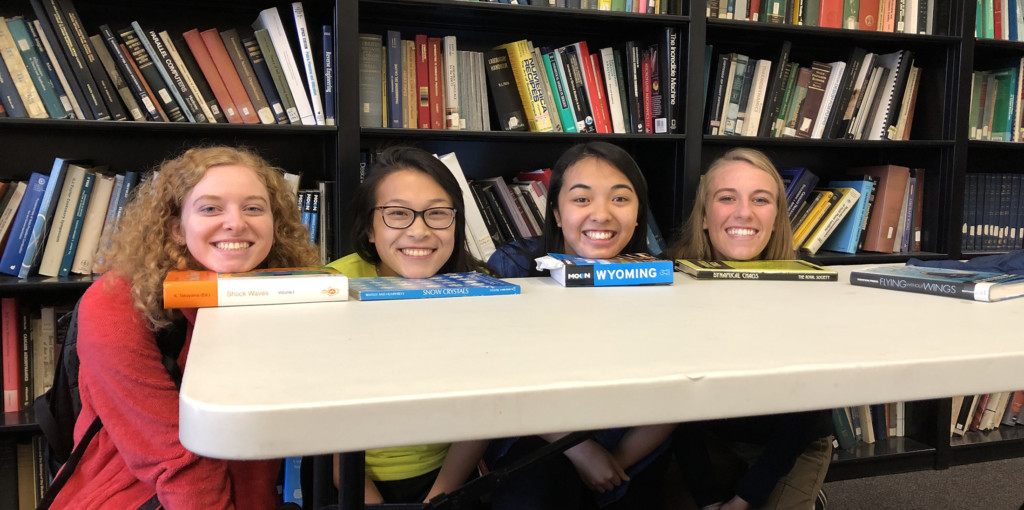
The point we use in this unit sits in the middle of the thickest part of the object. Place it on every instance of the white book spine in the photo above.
(307, 61)
(92, 224)
(57, 238)
(762, 73)
(476, 229)
(831, 90)
(611, 85)
(449, 52)
(270, 20)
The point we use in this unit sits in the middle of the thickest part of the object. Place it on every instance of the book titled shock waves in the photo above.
(631, 269)
(958, 283)
(798, 270)
(470, 283)
(202, 289)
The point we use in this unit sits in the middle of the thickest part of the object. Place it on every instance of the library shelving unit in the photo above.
(31, 145)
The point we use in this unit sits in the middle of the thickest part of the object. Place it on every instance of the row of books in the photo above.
(868, 423)
(30, 341)
(993, 212)
(23, 479)
(996, 104)
(52, 69)
(989, 411)
(894, 16)
(999, 19)
(315, 207)
(52, 223)
(869, 96)
(876, 209)
(428, 83)
(637, 6)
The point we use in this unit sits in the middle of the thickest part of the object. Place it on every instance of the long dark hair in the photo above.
(389, 161)
(553, 241)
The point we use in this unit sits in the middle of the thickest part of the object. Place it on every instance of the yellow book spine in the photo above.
(812, 219)
(524, 68)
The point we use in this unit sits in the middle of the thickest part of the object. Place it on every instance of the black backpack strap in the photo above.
(171, 340)
(70, 465)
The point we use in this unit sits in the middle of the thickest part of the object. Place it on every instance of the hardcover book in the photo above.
(626, 269)
(959, 283)
(202, 289)
(798, 270)
(379, 288)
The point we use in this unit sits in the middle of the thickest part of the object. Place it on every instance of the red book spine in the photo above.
(997, 19)
(145, 85)
(831, 14)
(11, 354)
(868, 15)
(600, 112)
(226, 69)
(422, 83)
(209, 69)
(755, 8)
(434, 64)
(602, 91)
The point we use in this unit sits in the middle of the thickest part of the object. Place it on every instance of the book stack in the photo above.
(993, 213)
(52, 224)
(908, 17)
(51, 69)
(428, 83)
(875, 209)
(868, 96)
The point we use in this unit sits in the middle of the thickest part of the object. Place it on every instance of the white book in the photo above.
(270, 20)
(910, 26)
(476, 230)
(758, 91)
(1019, 21)
(43, 350)
(450, 59)
(831, 90)
(92, 224)
(1004, 23)
(187, 76)
(611, 85)
(306, 50)
(60, 228)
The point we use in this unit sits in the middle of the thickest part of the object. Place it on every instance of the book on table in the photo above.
(470, 283)
(797, 270)
(202, 289)
(958, 283)
(626, 269)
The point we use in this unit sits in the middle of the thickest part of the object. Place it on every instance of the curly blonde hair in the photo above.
(694, 243)
(143, 250)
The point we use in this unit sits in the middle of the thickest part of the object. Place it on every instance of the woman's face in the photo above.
(597, 209)
(226, 221)
(417, 251)
(740, 213)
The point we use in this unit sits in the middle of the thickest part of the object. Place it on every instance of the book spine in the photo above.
(10, 354)
(277, 73)
(25, 44)
(19, 73)
(306, 52)
(189, 71)
(328, 56)
(270, 20)
(529, 86)
(450, 71)
(266, 81)
(233, 63)
(205, 62)
(106, 90)
(164, 64)
(150, 74)
(77, 220)
(917, 285)
(381, 295)
(257, 290)
(51, 11)
(92, 224)
(632, 273)
(116, 78)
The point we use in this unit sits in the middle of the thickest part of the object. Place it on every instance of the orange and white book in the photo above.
(204, 289)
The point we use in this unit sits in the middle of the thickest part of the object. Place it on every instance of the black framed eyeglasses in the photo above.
(399, 217)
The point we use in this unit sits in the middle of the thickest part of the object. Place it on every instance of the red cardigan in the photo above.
(137, 452)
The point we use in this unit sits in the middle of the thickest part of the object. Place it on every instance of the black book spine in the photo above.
(670, 76)
(62, 34)
(177, 81)
(190, 64)
(103, 85)
(577, 89)
(776, 89)
(262, 71)
(150, 74)
(635, 99)
(488, 215)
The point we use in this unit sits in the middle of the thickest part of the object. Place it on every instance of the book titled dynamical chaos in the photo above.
(465, 284)
(202, 289)
(798, 270)
(630, 269)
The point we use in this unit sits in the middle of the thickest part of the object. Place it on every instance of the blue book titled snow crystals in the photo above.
(443, 285)
(631, 269)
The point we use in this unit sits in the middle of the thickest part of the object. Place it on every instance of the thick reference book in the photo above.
(626, 269)
(959, 283)
(471, 283)
(202, 289)
(799, 270)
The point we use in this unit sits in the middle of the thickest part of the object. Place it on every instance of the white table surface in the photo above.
(282, 380)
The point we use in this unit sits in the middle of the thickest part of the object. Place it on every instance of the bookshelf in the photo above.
(672, 162)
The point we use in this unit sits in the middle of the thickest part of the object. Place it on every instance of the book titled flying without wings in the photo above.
(631, 269)
(471, 283)
(958, 283)
(798, 270)
(202, 289)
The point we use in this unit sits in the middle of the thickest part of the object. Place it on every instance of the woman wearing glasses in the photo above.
(409, 221)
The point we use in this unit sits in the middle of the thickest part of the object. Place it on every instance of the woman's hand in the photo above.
(596, 466)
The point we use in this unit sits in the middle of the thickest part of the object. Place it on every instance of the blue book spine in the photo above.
(76, 225)
(439, 286)
(14, 251)
(292, 480)
(846, 235)
(131, 179)
(394, 77)
(33, 249)
(158, 63)
(328, 39)
(313, 197)
(380, 295)
(633, 273)
(623, 270)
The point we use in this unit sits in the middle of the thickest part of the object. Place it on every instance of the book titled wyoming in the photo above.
(958, 283)
(470, 283)
(201, 289)
(798, 270)
(631, 269)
